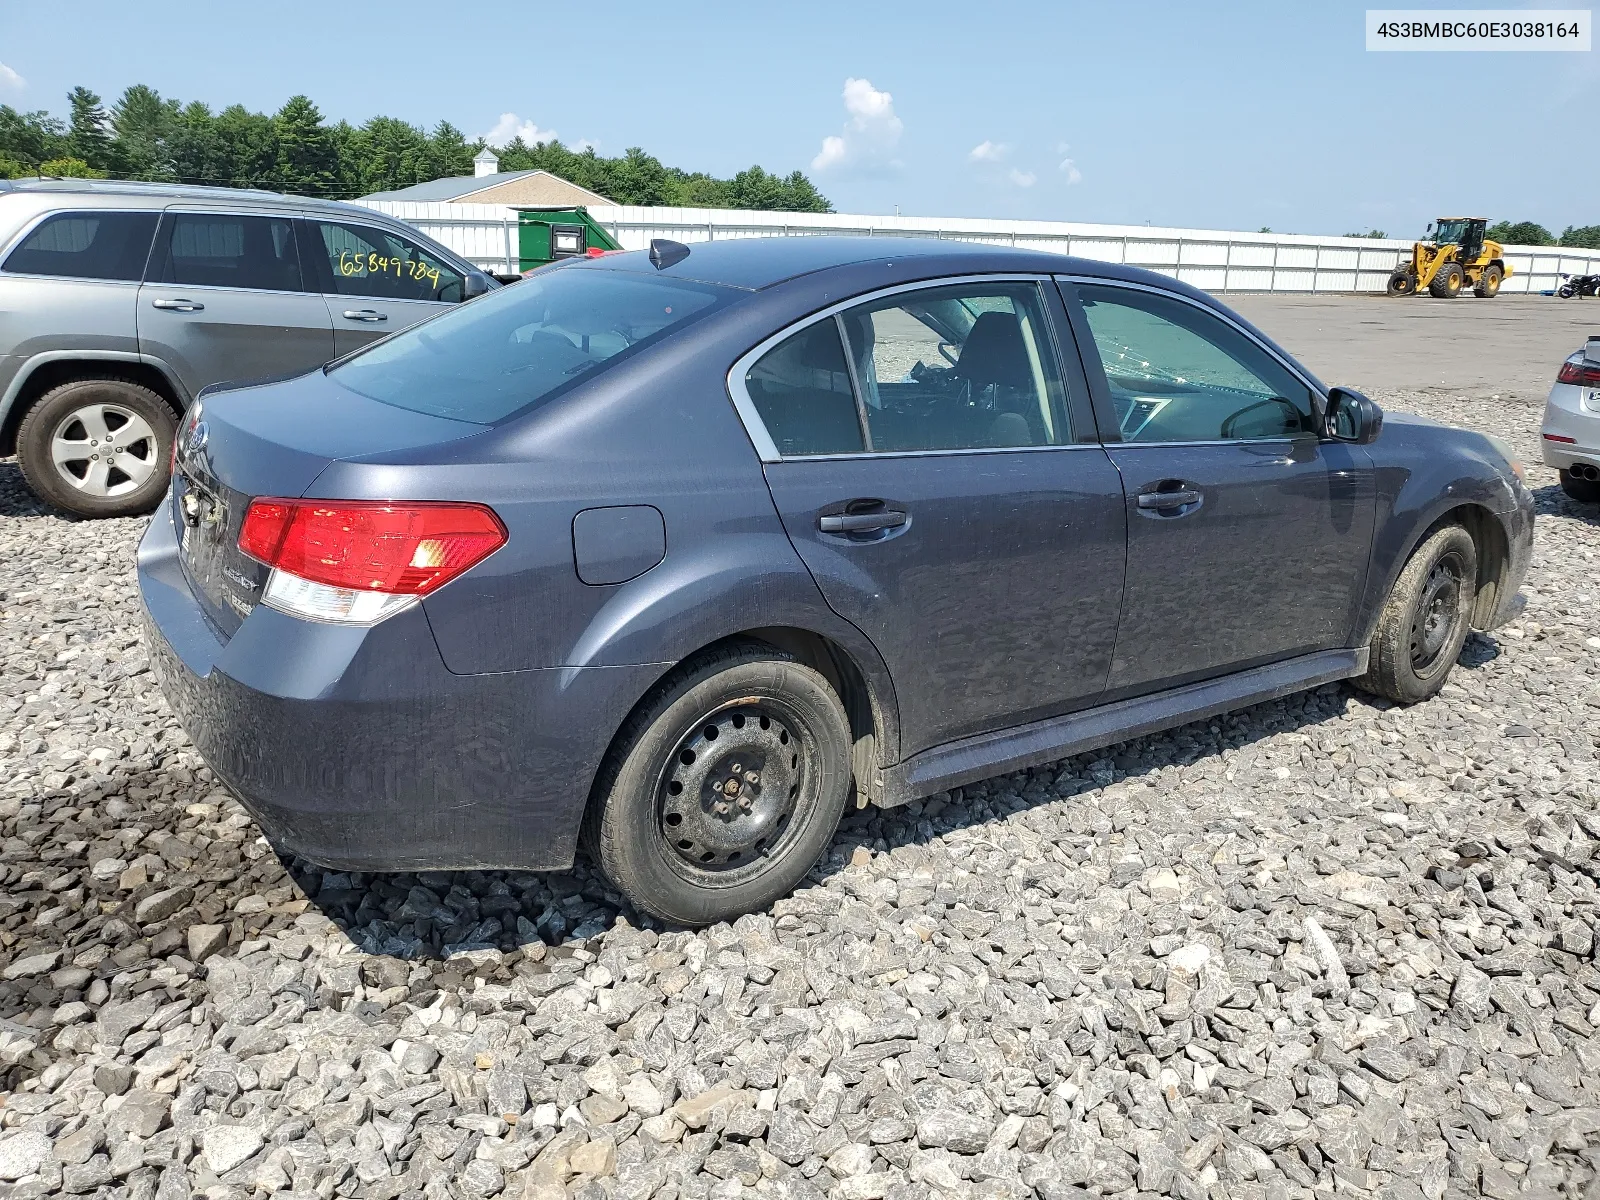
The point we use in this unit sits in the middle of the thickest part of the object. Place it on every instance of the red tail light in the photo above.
(1580, 373)
(397, 548)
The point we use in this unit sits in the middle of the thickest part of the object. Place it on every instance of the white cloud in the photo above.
(10, 80)
(989, 152)
(1021, 178)
(871, 132)
(511, 126)
(1068, 167)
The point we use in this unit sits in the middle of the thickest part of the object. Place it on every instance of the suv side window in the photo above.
(87, 245)
(801, 389)
(229, 250)
(364, 260)
(1178, 374)
(966, 367)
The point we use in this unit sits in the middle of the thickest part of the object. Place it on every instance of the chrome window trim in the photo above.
(22, 235)
(766, 448)
(1228, 319)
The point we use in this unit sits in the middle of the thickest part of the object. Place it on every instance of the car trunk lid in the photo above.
(271, 440)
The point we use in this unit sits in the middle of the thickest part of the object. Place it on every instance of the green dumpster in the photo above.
(546, 234)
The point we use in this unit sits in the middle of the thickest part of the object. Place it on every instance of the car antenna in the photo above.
(664, 252)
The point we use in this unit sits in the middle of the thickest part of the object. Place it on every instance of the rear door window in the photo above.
(230, 250)
(525, 344)
(801, 388)
(364, 260)
(87, 245)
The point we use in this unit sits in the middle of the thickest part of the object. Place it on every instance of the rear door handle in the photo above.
(178, 305)
(364, 314)
(866, 522)
(1168, 499)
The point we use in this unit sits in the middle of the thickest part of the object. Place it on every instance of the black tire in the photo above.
(1488, 285)
(1584, 491)
(665, 823)
(1446, 282)
(1402, 283)
(127, 481)
(1565, 291)
(1425, 620)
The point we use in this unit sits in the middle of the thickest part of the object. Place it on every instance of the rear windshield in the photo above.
(526, 343)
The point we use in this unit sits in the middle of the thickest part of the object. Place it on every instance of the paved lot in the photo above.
(1510, 345)
(1321, 947)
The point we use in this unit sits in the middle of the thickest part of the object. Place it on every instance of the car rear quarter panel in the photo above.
(657, 430)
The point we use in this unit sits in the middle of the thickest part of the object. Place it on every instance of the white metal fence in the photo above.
(1216, 260)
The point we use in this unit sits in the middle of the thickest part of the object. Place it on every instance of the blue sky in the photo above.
(1229, 116)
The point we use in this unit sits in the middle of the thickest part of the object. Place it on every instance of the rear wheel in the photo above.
(98, 447)
(1446, 283)
(1488, 284)
(724, 788)
(1584, 491)
(1402, 283)
(1425, 620)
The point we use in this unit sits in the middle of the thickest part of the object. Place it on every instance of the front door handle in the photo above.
(866, 522)
(178, 305)
(1177, 499)
(364, 314)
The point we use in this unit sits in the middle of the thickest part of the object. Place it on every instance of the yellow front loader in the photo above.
(1454, 254)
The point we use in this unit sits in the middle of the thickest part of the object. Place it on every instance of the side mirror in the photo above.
(476, 284)
(1352, 417)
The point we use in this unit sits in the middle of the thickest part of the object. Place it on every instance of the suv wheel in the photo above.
(1426, 619)
(725, 787)
(98, 447)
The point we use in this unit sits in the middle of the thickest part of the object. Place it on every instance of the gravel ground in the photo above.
(1322, 946)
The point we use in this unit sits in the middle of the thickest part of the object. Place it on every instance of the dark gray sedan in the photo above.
(685, 551)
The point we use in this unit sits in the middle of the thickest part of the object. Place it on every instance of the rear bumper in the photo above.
(1566, 417)
(358, 749)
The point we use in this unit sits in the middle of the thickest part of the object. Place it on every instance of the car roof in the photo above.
(162, 194)
(757, 263)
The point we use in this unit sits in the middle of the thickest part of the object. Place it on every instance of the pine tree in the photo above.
(308, 160)
(89, 136)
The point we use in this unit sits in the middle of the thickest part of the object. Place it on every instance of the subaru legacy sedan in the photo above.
(680, 553)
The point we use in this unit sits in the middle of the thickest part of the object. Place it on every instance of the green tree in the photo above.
(144, 124)
(10, 168)
(308, 159)
(30, 138)
(1521, 233)
(69, 168)
(1371, 233)
(249, 147)
(89, 136)
(1585, 236)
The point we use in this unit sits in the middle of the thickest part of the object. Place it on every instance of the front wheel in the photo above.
(98, 447)
(724, 788)
(1446, 282)
(1425, 620)
(1565, 291)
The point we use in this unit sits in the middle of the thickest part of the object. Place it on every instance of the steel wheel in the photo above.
(105, 450)
(731, 789)
(1438, 615)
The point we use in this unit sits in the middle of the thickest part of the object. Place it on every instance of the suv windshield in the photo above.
(525, 344)
(1449, 231)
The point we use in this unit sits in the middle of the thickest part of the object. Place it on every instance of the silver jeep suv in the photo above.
(120, 301)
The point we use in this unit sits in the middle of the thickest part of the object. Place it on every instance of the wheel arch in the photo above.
(874, 724)
(51, 370)
(1493, 547)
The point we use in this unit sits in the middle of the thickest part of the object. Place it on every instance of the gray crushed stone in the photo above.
(1325, 946)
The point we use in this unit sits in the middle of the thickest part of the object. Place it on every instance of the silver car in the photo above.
(1570, 435)
(120, 302)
